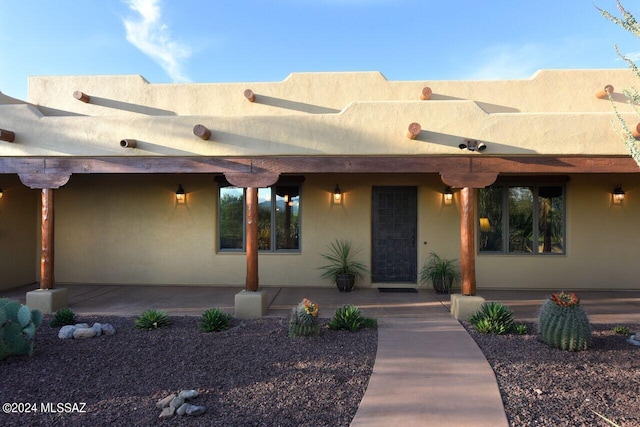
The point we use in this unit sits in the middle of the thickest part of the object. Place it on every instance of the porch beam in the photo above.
(322, 164)
(251, 205)
(47, 229)
(467, 239)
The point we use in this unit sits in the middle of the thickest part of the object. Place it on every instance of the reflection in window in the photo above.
(278, 218)
(512, 218)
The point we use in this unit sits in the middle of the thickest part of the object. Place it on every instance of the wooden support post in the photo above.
(46, 256)
(252, 238)
(467, 248)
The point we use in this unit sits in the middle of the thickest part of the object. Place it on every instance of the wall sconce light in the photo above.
(337, 195)
(1, 193)
(618, 194)
(181, 196)
(448, 196)
(473, 145)
(485, 225)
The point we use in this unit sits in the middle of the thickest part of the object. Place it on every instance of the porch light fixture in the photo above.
(473, 145)
(1, 193)
(618, 194)
(337, 195)
(181, 196)
(448, 196)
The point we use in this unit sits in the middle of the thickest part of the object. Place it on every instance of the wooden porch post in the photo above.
(252, 238)
(46, 257)
(467, 239)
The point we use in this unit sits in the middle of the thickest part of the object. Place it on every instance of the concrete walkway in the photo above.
(428, 370)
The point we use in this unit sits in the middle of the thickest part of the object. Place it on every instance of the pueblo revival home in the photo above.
(113, 180)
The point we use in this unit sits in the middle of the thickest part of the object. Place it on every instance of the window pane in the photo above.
(264, 219)
(520, 220)
(490, 201)
(231, 218)
(550, 220)
(287, 217)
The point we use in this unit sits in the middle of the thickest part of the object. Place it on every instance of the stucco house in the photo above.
(514, 178)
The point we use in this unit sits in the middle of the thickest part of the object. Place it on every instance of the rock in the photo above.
(189, 394)
(167, 412)
(195, 410)
(107, 329)
(163, 403)
(183, 409)
(82, 333)
(66, 332)
(177, 402)
(98, 328)
(81, 325)
(634, 339)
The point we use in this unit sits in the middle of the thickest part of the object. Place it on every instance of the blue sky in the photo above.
(207, 41)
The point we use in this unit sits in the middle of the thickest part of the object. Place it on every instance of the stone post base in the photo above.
(48, 300)
(464, 306)
(250, 305)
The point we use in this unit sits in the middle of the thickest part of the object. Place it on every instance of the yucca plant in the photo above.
(342, 269)
(152, 319)
(215, 320)
(62, 317)
(350, 318)
(493, 318)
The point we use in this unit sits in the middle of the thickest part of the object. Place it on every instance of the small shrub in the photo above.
(152, 319)
(215, 320)
(62, 317)
(621, 330)
(520, 329)
(304, 319)
(350, 318)
(493, 318)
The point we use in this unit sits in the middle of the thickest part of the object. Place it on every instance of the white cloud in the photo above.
(149, 34)
(509, 62)
(634, 56)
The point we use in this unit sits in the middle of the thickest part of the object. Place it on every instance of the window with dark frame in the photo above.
(522, 219)
(278, 218)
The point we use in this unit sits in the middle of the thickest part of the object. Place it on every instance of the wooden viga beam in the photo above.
(7, 135)
(635, 131)
(128, 143)
(604, 92)
(250, 95)
(81, 96)
(426, 93)
(202, 132)
(414, 130)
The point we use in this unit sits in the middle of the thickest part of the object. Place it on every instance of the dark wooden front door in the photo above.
(394, 227)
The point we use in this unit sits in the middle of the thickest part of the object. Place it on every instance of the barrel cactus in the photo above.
(304, 319)
(18, 326)
(563, 324)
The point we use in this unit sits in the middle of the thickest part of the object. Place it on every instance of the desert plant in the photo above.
(342, 265)
(563, 324)
(520, 328)
(18, 326)
(493, 318)
(304, 319)
(442, 272)
(62, 317)
(621, 330)
(215, 320)
(350, 318)
(152, 319)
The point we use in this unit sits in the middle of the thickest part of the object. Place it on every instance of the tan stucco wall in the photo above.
(602, 242)
(18, 227)
(553, 113)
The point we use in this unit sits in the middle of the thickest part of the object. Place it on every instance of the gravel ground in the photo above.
(250, 375)
(542, 386)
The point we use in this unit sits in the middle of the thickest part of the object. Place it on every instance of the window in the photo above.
(278, 218)
(522, 219)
